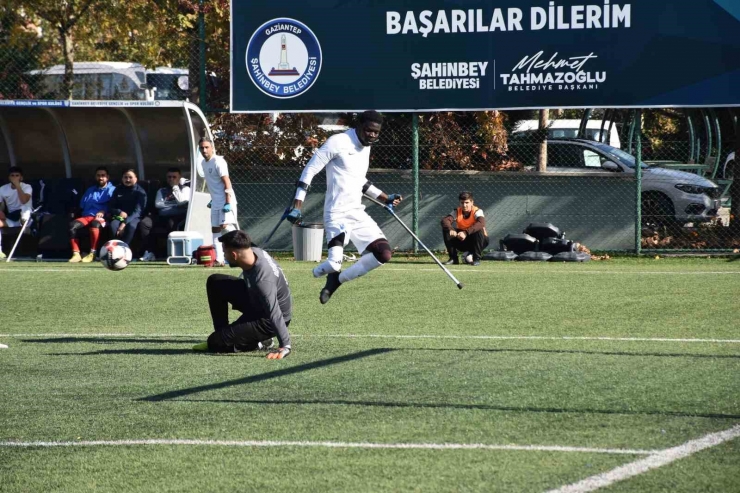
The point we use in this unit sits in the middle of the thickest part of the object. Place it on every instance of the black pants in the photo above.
(153, 228)
(474, 244)
(248, 330)
(128, 233)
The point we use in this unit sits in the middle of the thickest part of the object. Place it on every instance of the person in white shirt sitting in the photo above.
(15, 202)
(171, 208)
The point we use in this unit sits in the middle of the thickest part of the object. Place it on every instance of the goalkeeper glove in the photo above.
(294, 216)
(227, 208)
(209, 204)
(281, 353)
(392, 197)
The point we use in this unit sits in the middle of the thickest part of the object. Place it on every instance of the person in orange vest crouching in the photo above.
(464, 230)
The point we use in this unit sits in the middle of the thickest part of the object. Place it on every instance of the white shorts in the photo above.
(357, 226)
(25, 216)
(219, 217)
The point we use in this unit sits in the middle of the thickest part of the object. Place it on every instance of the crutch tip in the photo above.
(460, 285)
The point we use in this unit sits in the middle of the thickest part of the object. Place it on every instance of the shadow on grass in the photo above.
(483, 407)
(148, 352)
(112, 340)
(267, 376)
(575, 351)
(173, 351)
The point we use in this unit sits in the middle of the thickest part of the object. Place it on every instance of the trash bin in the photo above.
(308, 238)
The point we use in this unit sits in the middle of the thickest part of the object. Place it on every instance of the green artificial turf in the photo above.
(525, 354)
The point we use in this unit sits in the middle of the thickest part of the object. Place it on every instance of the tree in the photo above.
(63, 16)
(22, 51)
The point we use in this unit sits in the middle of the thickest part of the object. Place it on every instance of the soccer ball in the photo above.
(468, 257)
(115, 255)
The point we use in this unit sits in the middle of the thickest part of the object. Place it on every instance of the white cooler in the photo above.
(181, 245)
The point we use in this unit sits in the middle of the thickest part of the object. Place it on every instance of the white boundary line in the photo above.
(73, 270)
(528, 338)
(653, 461)
(401, 336)
(359, 445)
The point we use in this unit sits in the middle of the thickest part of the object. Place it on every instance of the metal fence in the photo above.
(576, 170)
(577, 173)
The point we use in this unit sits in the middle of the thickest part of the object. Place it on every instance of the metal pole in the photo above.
(692, 137)
(638, 183)
(718, 156)
(543, 126)
(202, 55)
(389, 208)
(415, 171)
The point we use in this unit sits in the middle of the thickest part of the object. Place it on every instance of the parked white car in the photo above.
(667, 195)
(568, 129)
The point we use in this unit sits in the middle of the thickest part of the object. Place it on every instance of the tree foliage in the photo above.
(22, 52)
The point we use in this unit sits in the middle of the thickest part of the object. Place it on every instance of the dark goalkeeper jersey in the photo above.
(269, 293)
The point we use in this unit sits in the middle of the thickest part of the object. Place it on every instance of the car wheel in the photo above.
(657, 210)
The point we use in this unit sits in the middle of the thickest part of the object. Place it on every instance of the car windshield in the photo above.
(623, 157)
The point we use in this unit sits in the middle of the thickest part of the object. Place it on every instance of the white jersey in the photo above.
(213, 170)
(9, 196)
(346, 161)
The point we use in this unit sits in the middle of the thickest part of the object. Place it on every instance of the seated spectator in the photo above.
(94, 207)
(15, 197)
(171, 207)
(126, 207)
(464, 229)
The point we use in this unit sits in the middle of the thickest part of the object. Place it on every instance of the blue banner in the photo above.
(431, 55)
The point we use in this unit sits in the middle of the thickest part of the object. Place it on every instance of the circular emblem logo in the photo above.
(283, 58)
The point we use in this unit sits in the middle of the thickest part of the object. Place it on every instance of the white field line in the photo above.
(391, 269)
(360, 445)
(653, 461)
(401, 336)
(532, 338)
(598, 272)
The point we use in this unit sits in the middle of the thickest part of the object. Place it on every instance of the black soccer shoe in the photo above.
(452, 261)
(332, 284)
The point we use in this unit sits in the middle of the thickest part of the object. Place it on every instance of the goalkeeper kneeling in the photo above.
(261, 294)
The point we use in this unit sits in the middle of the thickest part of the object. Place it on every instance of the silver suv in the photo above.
(667, 195)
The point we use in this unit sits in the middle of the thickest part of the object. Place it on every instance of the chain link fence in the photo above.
(577, 173)
(576, 170)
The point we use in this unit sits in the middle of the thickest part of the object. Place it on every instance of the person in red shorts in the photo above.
(94, 205)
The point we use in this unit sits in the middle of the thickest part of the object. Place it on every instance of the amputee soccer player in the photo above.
(223, 199)
(346, 157)
(261, 293)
